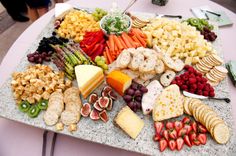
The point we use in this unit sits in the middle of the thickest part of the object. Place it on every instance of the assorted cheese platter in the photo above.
(118, 79)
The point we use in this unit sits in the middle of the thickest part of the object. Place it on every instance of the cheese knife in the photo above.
(169, 16)
(204, 97)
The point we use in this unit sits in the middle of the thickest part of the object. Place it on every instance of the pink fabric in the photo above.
(20, 139)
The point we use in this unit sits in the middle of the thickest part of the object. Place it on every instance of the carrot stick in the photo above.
(108, 44)
(112, 43)
(122, 42)
(127, 43)
(136, 41)
(117, 42)
(108, 55)
(131, 41)
(141, 40)
(139, 32)
(115, 45)
(105, 55)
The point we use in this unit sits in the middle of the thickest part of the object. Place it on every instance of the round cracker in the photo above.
(217, 59)
(210, 119)
(215, 122)
(207, 116)
(201, 69)
(221, 69)
(195, 103)
(214, 62)
(221, 133)
(204, 112)
(199, 110)
(213, 84)
(205, 63)
(219, 77)
(186, 103)
(210, 78)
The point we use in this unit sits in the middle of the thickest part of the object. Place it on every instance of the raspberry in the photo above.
(212, 94)
(191, 69)
(194, 86)
(199, 74)
(205, 93)
(200, 86)
(204, 79)
(199, 92)
(192, 80)
(179, 83)
(192, 76)
(186, 67)
(173, 82)
(211, 89)
(191, 90)
(184, 87)
(177, 78)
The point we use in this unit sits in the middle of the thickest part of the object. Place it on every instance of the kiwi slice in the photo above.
(24, 106)
(194, 22)
(33, 111)
(204, 22)
(43, 104)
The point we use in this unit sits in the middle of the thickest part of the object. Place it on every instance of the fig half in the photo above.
(103, 102)
(85, 110)
(94, 115)
(110, 105)
(97, 106)
(103, 116)
(93, 98)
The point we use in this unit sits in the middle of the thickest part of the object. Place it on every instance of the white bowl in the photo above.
(105, 32)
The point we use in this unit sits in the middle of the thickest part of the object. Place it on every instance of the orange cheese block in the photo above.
(118, 81)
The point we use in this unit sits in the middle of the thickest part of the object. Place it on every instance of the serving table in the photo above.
(20, 139)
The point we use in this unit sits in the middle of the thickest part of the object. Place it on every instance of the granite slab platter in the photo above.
(107, 133)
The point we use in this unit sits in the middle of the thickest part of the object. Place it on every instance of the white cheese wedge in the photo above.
(88, 78)
(169, 104)
(149, 98)
(61, 9)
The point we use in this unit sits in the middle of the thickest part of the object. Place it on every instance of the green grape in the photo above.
(100, 63)
(97, 58)
(103, 59)
(104, 66)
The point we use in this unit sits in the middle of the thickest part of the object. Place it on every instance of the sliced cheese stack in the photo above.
(119, 81)
(169, 104)
(88, 77)
(129, 122)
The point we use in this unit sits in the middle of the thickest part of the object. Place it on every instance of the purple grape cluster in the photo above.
(37, 57)
(133, 96)
(208, 34)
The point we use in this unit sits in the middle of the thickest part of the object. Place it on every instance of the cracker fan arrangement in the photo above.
(100, 69)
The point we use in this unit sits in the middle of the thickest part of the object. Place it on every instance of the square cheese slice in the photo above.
(129, 122)
(169, 104)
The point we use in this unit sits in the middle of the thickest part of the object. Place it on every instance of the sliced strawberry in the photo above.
(188, 128)
(165, 135)
(172, 145)
(158, 127)
(169, 125)
(186, 120)
(162, 145)
(187, 141)
(182, 132)
(202, 138)
(196, 142)
(202, 129)
(192, 136)
(157, 137)
(178, 125)
(179, 143)
(194, 126)
(173, 134)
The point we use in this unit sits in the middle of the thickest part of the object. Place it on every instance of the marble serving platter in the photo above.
(108, 133)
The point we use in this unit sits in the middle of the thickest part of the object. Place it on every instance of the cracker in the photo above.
(221, 133)
(186, 103)
(217, 59)
(221, 69)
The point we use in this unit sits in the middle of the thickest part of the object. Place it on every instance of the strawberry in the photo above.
(188, 128)
(162, 145)
(178, 125)
(182, 132)
(202, 138)
(202, 129)
(169, 125)
(179, 143)
(173, 134)
(194, 126)
(158, 127)
(165, 135)
(196, 142)
(187, 141)
(172, 145)
(157, 137)
(192, 136)
(186, 120)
